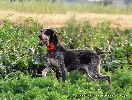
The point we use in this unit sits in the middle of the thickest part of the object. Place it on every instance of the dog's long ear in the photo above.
(53, 37)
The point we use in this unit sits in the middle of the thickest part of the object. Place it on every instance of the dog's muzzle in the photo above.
(40, 44)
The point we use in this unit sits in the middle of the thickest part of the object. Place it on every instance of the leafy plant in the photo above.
(21, 57)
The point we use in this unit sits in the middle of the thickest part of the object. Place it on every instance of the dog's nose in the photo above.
(40, 44)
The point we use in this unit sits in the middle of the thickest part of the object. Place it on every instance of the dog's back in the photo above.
(74, 58)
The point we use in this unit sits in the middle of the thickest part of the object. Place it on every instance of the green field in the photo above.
(57, 7)
(19, 50)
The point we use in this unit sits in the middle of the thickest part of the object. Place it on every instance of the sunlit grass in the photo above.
(47, 7)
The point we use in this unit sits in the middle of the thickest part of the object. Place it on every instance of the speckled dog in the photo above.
(62, 60)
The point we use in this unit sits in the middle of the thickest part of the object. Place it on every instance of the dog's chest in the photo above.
(55, 58)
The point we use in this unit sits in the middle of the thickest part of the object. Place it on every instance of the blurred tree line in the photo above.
(36, 0)
(103, 2)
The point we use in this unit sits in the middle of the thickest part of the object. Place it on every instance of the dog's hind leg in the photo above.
(104, 77)
(97, 75)
(94, 70)
(87, 72)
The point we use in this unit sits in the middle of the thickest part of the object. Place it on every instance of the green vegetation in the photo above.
(57, 7)
(18, 49)
(22, 87)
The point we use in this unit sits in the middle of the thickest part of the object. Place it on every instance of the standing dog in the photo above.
(62, 60)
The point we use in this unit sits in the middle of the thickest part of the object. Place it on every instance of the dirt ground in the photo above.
(58, 20)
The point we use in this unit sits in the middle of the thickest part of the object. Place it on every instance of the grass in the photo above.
(47, 7)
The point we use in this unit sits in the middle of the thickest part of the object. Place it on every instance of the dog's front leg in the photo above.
(62, 67)
(45, 71)
(63, 73)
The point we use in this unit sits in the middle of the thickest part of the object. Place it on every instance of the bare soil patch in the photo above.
(58, 20)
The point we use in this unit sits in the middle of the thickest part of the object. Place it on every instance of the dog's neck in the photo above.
(53, 48)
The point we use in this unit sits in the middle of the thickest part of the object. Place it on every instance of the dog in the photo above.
(62, 60)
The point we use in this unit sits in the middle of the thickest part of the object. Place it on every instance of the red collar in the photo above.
(51, 46)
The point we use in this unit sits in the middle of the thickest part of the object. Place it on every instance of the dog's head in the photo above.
(47, 36)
